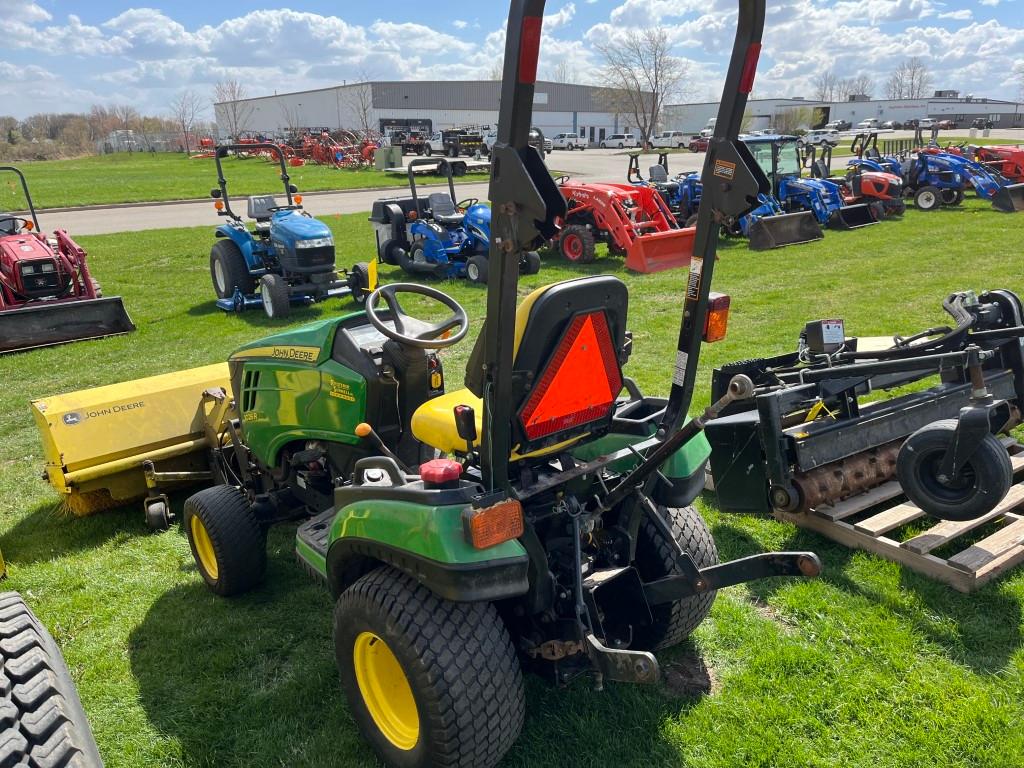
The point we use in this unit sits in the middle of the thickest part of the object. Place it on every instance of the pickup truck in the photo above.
(568, 141)
(454, 143)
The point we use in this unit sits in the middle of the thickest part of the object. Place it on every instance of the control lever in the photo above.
(465, 424)
(364, 430)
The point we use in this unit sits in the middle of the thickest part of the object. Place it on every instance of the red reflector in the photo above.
(440, 471)
(580, 382)
(529, 49)
(750, 68)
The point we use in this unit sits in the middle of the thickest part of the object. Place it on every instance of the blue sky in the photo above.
(64, 56)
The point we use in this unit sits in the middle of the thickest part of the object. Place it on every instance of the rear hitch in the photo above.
(623, 666)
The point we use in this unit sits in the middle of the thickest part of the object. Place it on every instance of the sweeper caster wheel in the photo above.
(276, 299)
(158, 513)
(656, 558)
(980, 485)
(428, 681)
(476, 269)
(359, 282)
(952, 196)
(928, 198)
(42, 722)
(228, 543)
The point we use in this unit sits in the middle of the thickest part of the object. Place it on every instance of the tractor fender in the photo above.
(425, 541)
(243, 239)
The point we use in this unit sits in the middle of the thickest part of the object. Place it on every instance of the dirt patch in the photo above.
(688, 677)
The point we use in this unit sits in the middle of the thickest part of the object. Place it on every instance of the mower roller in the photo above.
(47, 294)
(559, 539)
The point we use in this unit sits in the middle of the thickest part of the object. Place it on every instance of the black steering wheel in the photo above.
(409, 330)
(561, 180)
(7, 221)
(467, 203)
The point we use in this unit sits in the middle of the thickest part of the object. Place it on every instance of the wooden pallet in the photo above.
(966, 570)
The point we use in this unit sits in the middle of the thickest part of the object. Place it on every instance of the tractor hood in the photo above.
(15, 248)
(479, 216)
(289, 227)
(307, 344)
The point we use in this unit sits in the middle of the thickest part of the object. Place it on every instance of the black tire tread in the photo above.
(42, 723)
(468, 665)
(236, 271)
(280, 297)
(589, 244)
(239, 541)
(656, 557)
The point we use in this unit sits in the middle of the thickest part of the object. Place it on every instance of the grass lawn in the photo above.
(871, 665)
(141, 177)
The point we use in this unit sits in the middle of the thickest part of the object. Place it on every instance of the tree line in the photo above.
(911, 79)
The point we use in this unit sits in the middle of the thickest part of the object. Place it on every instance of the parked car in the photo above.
(820, 138)
(838, 125)
(893, 125)
(981, 122)
(699, 144)
(568, 141)
(869, 124)
(947, 125)
(925, 122)
(619, 140)
(670, 140)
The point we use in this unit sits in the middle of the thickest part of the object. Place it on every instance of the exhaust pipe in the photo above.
(45, 324)
(1009, 199)
(852, 217)
(784, 229)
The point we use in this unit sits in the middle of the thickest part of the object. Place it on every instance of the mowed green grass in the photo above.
(870, 665)
(143, 177)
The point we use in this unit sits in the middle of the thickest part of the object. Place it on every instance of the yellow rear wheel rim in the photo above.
(385, 690)
(204, 547)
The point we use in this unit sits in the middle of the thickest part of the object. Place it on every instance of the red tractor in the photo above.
(1006, 159)
(881, 191)
(47, 295)
(633, 220)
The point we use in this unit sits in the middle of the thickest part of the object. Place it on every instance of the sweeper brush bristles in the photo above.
(89, 503)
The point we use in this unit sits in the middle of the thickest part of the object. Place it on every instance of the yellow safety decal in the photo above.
(295, 354)
(342, 390)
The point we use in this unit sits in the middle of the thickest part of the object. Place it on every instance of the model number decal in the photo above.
(725, 169)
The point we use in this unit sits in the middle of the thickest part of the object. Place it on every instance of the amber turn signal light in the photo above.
(219, 205)
(716, 321)
(494, 524)
(297, 199)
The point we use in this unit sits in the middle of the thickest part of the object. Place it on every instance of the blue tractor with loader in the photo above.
(437, 235)
(988, 183)
(681, 193)
(285, 259)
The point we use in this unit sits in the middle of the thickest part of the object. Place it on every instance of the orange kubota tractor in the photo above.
(634, 221)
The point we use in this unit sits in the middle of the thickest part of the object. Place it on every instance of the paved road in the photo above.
(593, 164)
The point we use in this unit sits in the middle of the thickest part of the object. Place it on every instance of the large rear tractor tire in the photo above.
(656, 558)
(428, 681)
(277, 301)
(42, 723)
(577, 244)
(976, 490)
(228, 543)
(228, 270)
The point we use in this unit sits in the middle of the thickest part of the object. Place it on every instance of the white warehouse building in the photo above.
(428, 105)
(945, 105)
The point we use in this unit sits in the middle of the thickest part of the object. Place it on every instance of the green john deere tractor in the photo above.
(537, 519)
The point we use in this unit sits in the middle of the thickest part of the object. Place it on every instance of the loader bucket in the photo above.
(852, 217)
(1009, 199)
(658, 251)
(784, 229)
(48, 323)
(96, 440)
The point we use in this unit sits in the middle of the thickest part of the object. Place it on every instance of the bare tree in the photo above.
(825, 85)
(231, 95)
(291, 118)
(910, 80)
(640, 68)
(185, 109)
(127, 116)
(359, 100)
(497, 69)
(564, 72)
(1018, 73)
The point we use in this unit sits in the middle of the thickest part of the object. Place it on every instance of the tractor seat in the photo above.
(657, 174)
(442, 209)
(259, 207)
(566, 335)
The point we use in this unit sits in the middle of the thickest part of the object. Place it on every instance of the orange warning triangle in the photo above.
(580, 390)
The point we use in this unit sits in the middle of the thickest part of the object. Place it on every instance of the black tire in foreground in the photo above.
(980, 485)
(656, 558)
(228, 543)
(228, 270)
(429, 681)
(42, 723)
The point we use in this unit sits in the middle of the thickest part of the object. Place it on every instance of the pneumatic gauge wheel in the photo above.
(982, 482)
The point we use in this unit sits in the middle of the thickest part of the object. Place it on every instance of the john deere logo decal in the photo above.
(72, 418)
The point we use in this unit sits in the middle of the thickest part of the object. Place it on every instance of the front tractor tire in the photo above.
(228, 543)
(228, 270)
(277, 301)
(577, 244)
(656, 558)
(928, 198)
(429, 681)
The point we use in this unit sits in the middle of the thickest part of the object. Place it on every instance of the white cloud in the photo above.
(460, 24)
(564, 15)
(962, 15)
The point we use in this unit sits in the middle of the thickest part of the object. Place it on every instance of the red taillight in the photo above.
(716, 321)
(750, 68)
(580, 382)
(529, 49)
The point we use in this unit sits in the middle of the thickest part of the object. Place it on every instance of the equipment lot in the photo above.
(869, 665)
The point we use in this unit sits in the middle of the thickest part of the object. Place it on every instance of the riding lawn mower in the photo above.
(556, 534)
(47, 293)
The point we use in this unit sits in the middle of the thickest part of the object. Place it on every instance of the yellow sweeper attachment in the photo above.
(102, 445)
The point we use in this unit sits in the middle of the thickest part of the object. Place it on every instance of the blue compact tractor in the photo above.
(437, 235)
(286, 258)
(681, 194)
